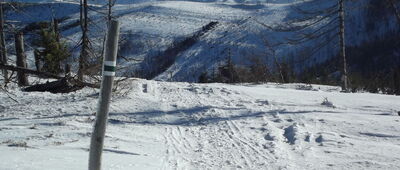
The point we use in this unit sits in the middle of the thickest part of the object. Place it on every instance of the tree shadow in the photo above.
(115, 151)
(155, 113)
(7, 119)
(63, 116)
(195, 116)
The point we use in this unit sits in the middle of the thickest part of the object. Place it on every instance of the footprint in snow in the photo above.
(290, 134)
(262, 102)
(319, 140)
(308, 138)
(269, 137)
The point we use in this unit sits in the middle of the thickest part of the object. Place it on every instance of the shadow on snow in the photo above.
(195, 116)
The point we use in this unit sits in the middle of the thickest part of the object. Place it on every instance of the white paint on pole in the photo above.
(108, 73)
(109, 68)
(109, 64)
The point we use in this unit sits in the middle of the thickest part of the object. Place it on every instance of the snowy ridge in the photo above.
(161, 125)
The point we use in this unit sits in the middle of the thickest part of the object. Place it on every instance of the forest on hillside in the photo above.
(316, 44)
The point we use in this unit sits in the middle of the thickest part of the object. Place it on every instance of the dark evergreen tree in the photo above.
(50, 51)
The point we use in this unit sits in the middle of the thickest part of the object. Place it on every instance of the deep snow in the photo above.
(161, 125)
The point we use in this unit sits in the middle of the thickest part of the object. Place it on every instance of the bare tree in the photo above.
(56, 30)
(85, 68)
(3, 54)
(83, 59)
(110, 4)
(322, 26)
(21, 58)
(342, 44)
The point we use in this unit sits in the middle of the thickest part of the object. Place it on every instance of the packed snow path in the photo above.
(160, 125)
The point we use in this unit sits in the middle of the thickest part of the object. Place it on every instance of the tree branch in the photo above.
(43, 74)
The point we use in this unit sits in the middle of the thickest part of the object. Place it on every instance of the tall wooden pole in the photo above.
(109, 64)
(21, 59)
(342, 46)
(3, 53)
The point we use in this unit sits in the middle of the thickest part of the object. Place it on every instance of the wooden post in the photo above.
(3, 53)
(109, 64)
(21, 59)
(342, 46)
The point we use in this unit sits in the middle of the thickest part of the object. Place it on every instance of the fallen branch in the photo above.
(45, 75)
(29, 71)
(8, 94)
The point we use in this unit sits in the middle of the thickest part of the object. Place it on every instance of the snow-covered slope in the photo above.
(161, 125)
(150, 27)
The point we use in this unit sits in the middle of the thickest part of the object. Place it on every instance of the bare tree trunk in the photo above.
(231, 68)
(67, 67)
(3, 54)
(37, 61)
(67, 70)
(342, 45)
(21, 59)
(80, 69)
(278, 67)
(56, 30)
(83, 59)
(58, 39)
(109, 16)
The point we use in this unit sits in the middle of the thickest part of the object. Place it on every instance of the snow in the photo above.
(150, 27)
(170, 125)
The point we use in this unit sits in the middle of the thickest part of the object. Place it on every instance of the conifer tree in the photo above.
(50, 52)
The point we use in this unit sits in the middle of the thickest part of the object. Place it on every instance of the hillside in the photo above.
(151, 27)
(161, 125)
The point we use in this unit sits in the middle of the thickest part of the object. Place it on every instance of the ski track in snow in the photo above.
(160, 125)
